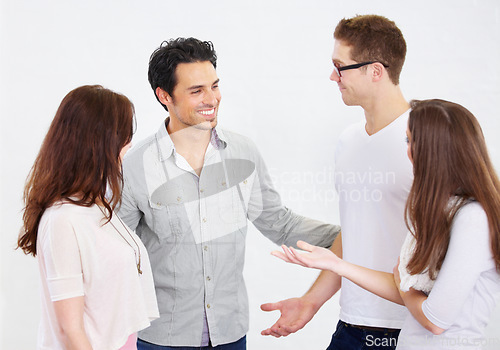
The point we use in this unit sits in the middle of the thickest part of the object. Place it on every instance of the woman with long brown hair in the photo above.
(96, 283)
(449, 271)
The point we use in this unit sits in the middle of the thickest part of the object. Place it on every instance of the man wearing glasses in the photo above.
(373, 177)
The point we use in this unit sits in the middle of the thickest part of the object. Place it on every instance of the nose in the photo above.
(212, 97)
(334, 76)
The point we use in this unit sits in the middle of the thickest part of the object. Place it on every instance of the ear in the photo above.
(163, 96)
(377, 71)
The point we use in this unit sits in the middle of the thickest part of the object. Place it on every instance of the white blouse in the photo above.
(80, 254)
(465, 291)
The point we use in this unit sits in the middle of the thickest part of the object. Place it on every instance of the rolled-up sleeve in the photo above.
(61, 254)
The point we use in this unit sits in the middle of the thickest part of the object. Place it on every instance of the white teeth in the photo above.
(208, 112)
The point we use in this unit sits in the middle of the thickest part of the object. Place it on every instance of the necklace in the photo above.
(136, 252)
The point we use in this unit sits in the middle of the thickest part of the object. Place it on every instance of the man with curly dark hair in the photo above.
(189, 191)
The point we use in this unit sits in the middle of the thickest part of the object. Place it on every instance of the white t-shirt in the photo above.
(464, 293)
(80, 255)
(373, 177)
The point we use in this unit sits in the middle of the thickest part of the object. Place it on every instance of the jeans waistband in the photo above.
(371, 329)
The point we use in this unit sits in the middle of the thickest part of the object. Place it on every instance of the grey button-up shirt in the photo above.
(194, 229)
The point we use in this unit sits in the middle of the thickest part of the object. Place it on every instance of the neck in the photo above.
(384, 108)
(189, 139)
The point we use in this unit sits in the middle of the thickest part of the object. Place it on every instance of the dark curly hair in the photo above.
(164, 60)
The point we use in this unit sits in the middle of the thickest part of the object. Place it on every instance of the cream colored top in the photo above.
(79, 254)
(420, 281)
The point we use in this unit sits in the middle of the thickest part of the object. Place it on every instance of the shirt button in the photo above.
(208, 306)
(201, 190)
(204, 219)
(245, 182)
(179, 199)
(208, 278)
(205, 248)
(223, 183)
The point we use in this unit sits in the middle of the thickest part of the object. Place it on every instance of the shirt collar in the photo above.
(166, 147)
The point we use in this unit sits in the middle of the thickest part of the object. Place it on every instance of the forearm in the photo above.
(284, 227)
(328, 283)
(69, 314)
(379, 283)
(300, 228)
(76, 339)
(413, 300)
(314, 232)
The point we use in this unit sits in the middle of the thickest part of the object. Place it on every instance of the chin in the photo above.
(207, 125)
(350, 102)
(346, 101)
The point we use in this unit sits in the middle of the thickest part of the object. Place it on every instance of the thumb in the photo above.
(270, 306)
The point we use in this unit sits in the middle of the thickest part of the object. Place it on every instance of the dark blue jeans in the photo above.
(348, 337)
(238, 345)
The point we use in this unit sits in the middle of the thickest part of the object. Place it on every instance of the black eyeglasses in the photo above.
(337, 68)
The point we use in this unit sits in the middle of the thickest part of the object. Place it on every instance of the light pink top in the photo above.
(131, 343)
(79, 254)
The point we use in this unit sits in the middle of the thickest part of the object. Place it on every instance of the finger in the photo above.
(287, 252)
(292, 255)
(276, 335)
(280, 255)
(269, 332)
(302, 259)
(305, 246)
(282, 332)
(270, 306)
(277, 330)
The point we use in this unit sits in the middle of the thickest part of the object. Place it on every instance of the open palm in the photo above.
(314, 257)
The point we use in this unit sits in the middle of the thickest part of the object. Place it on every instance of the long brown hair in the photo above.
(450, 160)
(79, 157)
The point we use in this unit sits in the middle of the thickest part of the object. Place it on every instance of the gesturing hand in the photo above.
(295, 314)
(316, 257)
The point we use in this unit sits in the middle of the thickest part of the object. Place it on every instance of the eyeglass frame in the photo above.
(338, 69)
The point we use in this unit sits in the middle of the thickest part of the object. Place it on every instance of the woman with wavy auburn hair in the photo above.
(96, 282)
(449, 271)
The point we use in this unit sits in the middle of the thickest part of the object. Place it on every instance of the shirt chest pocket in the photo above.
(230, 207)
(233, 203)
(168, 212)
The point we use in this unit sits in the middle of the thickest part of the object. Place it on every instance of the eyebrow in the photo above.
(196, 87)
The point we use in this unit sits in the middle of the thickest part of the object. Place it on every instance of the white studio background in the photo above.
(274, 65)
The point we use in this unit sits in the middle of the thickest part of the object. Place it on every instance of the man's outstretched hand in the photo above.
(295, 314)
